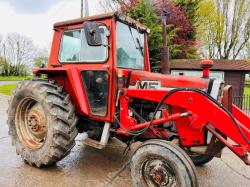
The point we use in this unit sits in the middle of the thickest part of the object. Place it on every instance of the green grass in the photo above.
(7, 89)
(247, 90)
(14, 78)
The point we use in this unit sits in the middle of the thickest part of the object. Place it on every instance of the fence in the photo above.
(243, 102)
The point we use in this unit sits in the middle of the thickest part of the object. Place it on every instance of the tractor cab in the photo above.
(98, 48)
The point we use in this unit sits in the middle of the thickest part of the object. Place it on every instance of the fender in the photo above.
(70, 79)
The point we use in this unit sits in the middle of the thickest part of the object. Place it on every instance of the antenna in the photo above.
(81, 8)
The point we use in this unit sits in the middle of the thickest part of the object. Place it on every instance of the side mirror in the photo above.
(93, 33)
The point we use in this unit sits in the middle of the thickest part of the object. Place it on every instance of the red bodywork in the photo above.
(202, 115)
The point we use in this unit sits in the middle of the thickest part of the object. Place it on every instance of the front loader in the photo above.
(98, 82)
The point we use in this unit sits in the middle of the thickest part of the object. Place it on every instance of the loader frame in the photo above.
(191, 120)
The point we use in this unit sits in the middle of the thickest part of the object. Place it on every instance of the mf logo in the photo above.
(148, 85)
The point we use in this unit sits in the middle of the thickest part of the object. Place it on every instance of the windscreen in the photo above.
(129, 47)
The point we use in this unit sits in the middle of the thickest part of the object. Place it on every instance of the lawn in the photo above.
(14, 78)
(7, 89)
(247, 90)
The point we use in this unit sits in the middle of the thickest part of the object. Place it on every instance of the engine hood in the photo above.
(148, 80)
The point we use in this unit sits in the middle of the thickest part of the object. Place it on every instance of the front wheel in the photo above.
(200, 159)
(160, 163)
(42, 123)
(197, 158)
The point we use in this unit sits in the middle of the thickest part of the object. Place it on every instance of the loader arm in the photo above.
(194, 112)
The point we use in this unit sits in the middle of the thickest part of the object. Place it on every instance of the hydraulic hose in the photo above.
(137, 133)
(140, 132)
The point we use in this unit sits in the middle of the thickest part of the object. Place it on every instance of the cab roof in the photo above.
(117, 15)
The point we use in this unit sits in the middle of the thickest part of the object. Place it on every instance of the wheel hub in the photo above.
(31, 123)
(36, 121)
(159, 173)
(160, 176)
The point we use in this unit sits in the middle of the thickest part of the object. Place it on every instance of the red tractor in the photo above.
(98, 81)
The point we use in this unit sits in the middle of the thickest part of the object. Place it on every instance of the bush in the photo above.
(7, 69)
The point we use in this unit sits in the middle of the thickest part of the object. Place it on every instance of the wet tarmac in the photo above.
(89, 167)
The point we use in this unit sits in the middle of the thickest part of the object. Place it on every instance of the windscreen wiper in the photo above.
(138, 40)
(140, 48)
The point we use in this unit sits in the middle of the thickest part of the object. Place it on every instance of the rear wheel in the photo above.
(42, 123)
(160, 163)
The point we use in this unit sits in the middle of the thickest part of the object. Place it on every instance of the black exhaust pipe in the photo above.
(165, 49)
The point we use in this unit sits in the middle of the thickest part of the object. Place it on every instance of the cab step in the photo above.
(104, 138)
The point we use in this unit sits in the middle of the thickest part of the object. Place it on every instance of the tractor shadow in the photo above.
(85, 165)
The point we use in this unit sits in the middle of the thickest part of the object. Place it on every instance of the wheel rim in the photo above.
(157, 172)
(31, 125)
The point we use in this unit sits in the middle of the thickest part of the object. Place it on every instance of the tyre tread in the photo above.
(63, 117)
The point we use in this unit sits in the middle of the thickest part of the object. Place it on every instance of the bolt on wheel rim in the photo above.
(157, 172)
(31, 123)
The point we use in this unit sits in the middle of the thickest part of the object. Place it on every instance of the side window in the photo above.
(71, 46)
(74, 47)
(93, 53)
(96, 86)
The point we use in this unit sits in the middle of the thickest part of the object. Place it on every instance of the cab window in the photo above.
(129, 47)
(71, 46)
(96, 86)
(74, 47)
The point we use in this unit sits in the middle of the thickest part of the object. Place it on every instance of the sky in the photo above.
(35, 18)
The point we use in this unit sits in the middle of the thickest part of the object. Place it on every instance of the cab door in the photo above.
(97, 77)
(94, 65)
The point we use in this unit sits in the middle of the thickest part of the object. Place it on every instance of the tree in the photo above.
(179, 21)
(42, 58)
(115, 5)
(41, 61)
(149, 13)
(1, 46)
(146, 15)
(247, 52)
(208, 27)
(3, 66)
(224, 27)
(18, 52)
(191, 7)
(109, 5)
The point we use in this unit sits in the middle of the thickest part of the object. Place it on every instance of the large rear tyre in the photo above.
(41, 121)
(160, 163)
